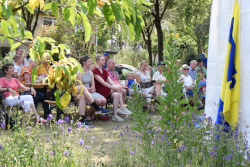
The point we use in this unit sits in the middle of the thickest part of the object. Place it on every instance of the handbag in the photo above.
(146, 84)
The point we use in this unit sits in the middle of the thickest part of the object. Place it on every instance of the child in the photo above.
(128, 83)
(17, 66)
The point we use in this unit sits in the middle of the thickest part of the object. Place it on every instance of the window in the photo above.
(49, 21)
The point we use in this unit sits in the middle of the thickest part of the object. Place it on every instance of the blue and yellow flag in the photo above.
(230, 88)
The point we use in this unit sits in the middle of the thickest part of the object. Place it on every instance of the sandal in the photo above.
(40, 120)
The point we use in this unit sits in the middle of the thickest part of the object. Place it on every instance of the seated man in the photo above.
(114, 78)
(25, 77)
(159, 78)
(200, 66)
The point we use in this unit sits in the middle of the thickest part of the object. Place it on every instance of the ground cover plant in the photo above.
(176, 135)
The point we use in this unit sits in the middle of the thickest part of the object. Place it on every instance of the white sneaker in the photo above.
(121, 111)
(126, 111)
(117, 118)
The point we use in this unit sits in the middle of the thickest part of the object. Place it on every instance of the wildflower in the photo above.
(166, 35)
(183, 147)
(3, 125)
(155, 139)
(214, 147)
(50, 117)
(52, 152)
(66, 119)
(215, 154)
(162, 138)
(92, 126)
(54, 142)
(79, 124)
(127, 126)
(121, 133)
(81, 143)
(1, 146)
(71, 122)
(172, 126)
(28, 128)
(131, 152)
(117, 125)
(48, 140)
(193, 149)
(232, 151)
(87, 128)
(56, 122)
(169, 142)
(246, 147)
(230, 156)
(227, 159)
(66, 153)
(211, 153)
(177, 35)
(172, 34)
(115, 142)
(93, 137)
(152, 142)
(148, 131)
(60, 121)
(69, 129)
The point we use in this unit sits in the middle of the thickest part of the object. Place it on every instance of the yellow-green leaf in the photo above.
(65, 99)
(41, 4)
(15, 45)
(87, 26)
(33, 3)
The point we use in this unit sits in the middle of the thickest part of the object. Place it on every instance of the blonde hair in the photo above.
(142, 62)
(183, 66)
(98, 57)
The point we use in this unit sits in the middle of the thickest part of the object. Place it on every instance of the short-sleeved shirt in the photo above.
(159, 77)
(100, 88)
(192, 73)
(41, 69)
(203, 69)
(144, 77)
(25, 63)
(187, 80)
(25, 69)
(113, 76)
(12, 83)
(17, 69)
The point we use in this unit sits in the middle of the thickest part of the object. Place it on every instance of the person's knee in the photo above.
(104, 101)
(82, 97)
(98, 101)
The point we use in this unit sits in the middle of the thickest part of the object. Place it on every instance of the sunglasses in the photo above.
(186, 69)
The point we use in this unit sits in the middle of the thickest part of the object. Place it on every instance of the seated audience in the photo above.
(192, 71)
(202, 83)
(159, 79)
(144, 79)
(113, 76)
(17, 66)
(11, 85)
(106, 56)
(106, 87)
(187, 80)
(200, 66)
(88, 81)
(43, 69)
(25, 77)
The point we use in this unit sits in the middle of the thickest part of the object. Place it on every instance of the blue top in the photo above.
(130, 82)
(105, 66)
(192, 73)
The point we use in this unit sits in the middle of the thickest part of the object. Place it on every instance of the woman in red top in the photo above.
(106, 87)
(12, 98)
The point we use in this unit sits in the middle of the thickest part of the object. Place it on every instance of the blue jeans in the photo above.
(40, 97)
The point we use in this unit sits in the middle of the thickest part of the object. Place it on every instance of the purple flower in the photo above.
(117, 125)
(56, 122)
(227, 159)
(169, 142)
(66, 153)
(60, 121)
(79, 124)
(48, 140)
(152, 142)
(183, 147)
(87, 128)
(172, 126)
(211, 153)
(52, 152)
(121, 133)
(92, 126)
(230, 156)
(148, 131)
(81, 143)
(28, 128)
(202, 150)
(193, 149)
(155, 139)
(232, 151)
(246, 147)
(215, 154)
(66, 119)
(214, 147)
(131, 152)
(54, 142)
(126, 126)
(165, 130)
(69, 129)
(1, 146)
(115, 142)
(50, 116)
(71, 122)
(162, 138)
(3, 125)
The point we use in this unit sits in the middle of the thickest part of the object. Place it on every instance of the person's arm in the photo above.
(126, 83)
(137, 78)
(27, 77)
(99, 79)
(79, 78)
(15, 75)
(92, 89)
(31, 89)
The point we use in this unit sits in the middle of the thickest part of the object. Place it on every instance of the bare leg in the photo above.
(124, 94)
(82, 105)
(33, 108)
(85, 92)
(158, 89)
(115, 97)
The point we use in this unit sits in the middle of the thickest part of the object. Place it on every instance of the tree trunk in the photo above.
(199, 45)
(160, 39)
(150, 50)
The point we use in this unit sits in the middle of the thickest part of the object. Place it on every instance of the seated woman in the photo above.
(106, 87)
(143, 77)
(88, 81)
(11, 85)
(187, 79)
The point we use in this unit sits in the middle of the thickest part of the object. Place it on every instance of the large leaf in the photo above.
(33, 3)
(7, 11)
(15, 45)
(78, 65)
(4, 28)
(47, 6)
(147, 2)
(40, 45)
(56, 94)
(41, 4)
(92, 5)
(116, 8)
(54, 7)
(28, 34)
(131, 32)
(33, 75)
(65, 99)
(87, 26)
(83, 6)
(72, 16)
(66, 14)
(108, 14)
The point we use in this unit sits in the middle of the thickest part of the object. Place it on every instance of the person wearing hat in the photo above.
(159, 79)
(106, 56)
(200, 66)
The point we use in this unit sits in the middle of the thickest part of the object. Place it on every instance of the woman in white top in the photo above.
(144, 79)
(187, 79)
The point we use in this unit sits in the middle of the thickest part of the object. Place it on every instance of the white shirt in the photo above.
(187, 80)
(144, 77)
(159, 77)
(17, 69)
(25, 63)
